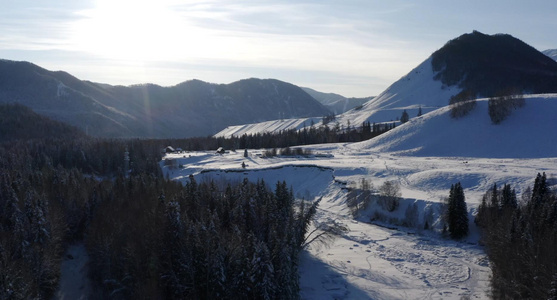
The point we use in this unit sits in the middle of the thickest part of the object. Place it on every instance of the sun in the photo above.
(129, 30)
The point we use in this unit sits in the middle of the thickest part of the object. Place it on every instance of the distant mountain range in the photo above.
(551, 53)
(484, 64)
(191, 108)
(336, 103)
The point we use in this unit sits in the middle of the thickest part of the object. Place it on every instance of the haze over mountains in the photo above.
(191, 108)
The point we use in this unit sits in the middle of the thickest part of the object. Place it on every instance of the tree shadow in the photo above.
(319, 280)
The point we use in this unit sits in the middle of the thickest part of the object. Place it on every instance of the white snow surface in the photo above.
(425, 156)
(417, 88)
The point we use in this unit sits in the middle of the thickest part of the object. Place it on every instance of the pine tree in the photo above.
(420, 111)
(540, 189)
(404, 118)
(457, 212)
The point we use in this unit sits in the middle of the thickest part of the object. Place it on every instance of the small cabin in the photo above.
(169, 149)
(220, 150)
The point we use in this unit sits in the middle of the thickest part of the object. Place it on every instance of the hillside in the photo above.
(18, 122)
(478, 62)
(485, 64)
(552, 53)
(336, 103)
(191, 108)
(523, 135)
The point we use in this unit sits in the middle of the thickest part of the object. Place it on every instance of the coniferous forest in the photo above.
(520, 238)
(147, 237)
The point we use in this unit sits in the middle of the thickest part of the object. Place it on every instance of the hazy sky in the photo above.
(354, 48)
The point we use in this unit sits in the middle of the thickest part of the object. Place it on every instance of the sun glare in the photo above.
(129, 30)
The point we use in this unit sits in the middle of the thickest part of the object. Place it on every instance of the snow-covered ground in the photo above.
(74, 281)
(372, 262)
(368, 261)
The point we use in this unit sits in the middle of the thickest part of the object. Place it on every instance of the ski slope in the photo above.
(425, 156)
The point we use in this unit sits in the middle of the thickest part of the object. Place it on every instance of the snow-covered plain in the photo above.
(425, 156)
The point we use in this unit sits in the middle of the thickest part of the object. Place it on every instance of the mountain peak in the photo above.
(489, 63)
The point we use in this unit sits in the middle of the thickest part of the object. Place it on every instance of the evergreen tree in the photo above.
(457, 213)
(404, 118)
(540, 189)
(420, 111)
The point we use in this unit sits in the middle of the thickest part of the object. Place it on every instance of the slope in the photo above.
(192, 108)
(523, 135)
(18, 122)
(484, 64)
(552, 53)
(336, 103)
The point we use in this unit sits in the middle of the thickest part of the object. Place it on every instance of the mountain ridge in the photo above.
(191, 108)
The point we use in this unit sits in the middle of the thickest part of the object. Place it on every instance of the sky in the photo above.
(355, 48)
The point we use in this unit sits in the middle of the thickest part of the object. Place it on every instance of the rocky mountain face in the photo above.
(192, 108)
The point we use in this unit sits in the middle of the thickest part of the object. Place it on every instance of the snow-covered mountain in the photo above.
(191, 108)
(552, 53)
(483, 64)
(336, 103)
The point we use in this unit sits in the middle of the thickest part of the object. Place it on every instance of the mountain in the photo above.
(191, 108)
(522, 135)
(484, 64)
(18, 122)
(552, 53)
(335, 102)
(475, 61)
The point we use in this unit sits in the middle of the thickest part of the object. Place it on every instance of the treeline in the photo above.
(521, 240)
(500, 106)
(147, 237)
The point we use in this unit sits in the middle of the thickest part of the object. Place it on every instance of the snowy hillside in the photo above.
(527, 133)
(269, 126)
(417, 88)
(551, 53)
(336, 103)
